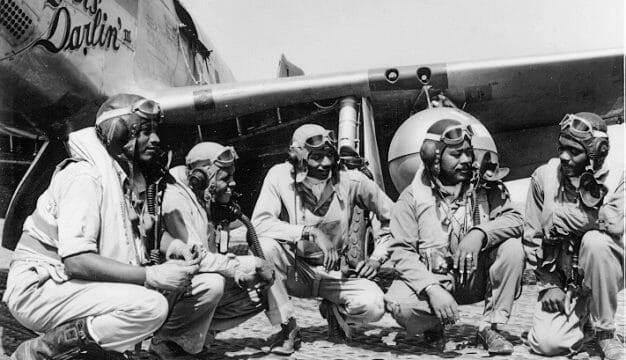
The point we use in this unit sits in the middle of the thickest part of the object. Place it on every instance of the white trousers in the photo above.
(118, 315)
(361, 300)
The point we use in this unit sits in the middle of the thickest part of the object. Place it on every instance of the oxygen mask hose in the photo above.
(231, 212)
(251, 237)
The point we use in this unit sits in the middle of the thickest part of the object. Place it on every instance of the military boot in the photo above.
(494, 342)
(338, 329)
(435, 337)
(611, 346)
(288, 340)
(60, 343)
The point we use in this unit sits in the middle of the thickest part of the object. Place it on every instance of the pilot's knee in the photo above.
(375, 308)
(411, 316)
(545, 343)
(398, 311)
(271, 248)
(151, 311)
(595, 243)
(512, 251)
(208, 288)
(366, 310)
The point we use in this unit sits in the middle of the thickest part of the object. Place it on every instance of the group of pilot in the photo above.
(83, 276)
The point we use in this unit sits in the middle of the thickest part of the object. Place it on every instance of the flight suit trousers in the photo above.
(118, 315)
(601, 259)
(360, 300)
(214, 303)
(497, 280)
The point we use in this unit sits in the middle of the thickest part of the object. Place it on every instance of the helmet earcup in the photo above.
(600, 152)
(198, 179)
(601, 148)
(430, 153)
(297, 157)
(114, 134)
(292, 157)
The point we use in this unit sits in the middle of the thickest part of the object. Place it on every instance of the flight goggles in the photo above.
(226, 158)
(453, 135)
(317, 141)
(144, 108)
(579, 127)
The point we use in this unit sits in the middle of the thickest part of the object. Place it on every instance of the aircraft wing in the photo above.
(512, 94)
(519, 100)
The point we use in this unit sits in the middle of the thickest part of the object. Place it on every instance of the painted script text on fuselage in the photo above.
(64, 34)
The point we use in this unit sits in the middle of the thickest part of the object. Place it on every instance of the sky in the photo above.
(326, 36)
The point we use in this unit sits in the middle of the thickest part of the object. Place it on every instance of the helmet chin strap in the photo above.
(123, 160)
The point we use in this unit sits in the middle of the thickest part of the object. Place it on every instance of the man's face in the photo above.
(321, 162)
(456, 164)
(224, 184)
(148, 142)
(573, 158)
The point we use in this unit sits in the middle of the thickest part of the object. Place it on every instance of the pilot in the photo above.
(456, 241)
(302, 218)
(77, 276)
(221, 299)
(573, 235)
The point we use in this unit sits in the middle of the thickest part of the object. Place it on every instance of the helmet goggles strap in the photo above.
(580, 127)
(144, 108)
(453, 135)
(226, 158)
(318, 141)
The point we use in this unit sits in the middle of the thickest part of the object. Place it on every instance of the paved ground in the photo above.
(381, 340)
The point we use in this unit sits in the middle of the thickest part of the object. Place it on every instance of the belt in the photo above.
(30, 242)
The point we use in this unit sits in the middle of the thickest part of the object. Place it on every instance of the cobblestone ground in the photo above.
(381, 340)
(386, 340)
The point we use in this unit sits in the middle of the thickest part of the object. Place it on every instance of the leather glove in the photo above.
(252, 271)
(171, 276)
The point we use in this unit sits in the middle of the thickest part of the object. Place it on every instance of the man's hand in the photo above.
(443, 304)
(368, 268)
(331, 257)
(553, 300)
(253, 270)
(171, 276)
(178, 250)
(466, 256)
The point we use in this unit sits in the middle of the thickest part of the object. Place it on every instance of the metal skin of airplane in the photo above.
(77, 53)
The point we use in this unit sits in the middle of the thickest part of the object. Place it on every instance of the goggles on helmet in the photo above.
(144, 108)
(317, 141)
(579, 127)
(226, 158)
(453, 135)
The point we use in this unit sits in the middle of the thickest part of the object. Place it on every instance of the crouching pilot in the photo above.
(304, 208)
(79, 275)
(574, 235)
(456, 240)
(228, 289)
